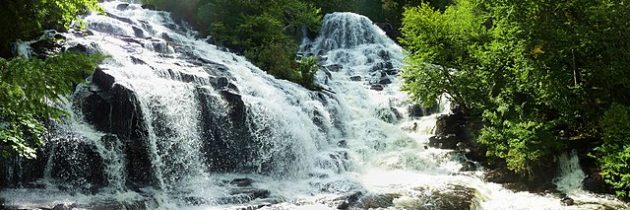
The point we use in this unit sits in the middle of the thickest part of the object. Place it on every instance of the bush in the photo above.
(30, 90)
(539, 76)
(614, 153)
(25, 19)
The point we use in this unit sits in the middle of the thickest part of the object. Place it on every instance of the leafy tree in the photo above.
(24, 19)
(30, 89)
(614, 154)
(540, 73)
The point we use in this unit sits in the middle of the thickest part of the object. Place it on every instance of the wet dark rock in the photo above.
(539, 181)
(115, 109)
(79, 48)
(382, 66)
(242, 182)
(377, 87)
(594, 182)
(228, 141)
(391, 72)
(166, 37)
(355, 78)
(334, 67)
(349, 200)
(567, 201)
(138, 61)
(222, 82)
(148, 6)
(122, 6)
(448, 141)
(65, 206)
(390, 115)
(122, 19)
(417, 110)
(160, 46)
(384, 54)
(45, 48)
(376, 201)
(385, 81)
(342, 143)
(138, 32)
(22, 172)
(75, 161)
(252, 193)
(454, 197)
(102, 79)
(195, 201)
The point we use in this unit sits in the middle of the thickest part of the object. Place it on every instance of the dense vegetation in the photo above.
(542, 75)
(31, 88)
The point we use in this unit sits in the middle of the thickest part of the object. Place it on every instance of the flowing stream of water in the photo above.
(170, 121)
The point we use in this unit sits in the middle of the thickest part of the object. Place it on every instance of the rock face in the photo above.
(455, 131)
(115, 109)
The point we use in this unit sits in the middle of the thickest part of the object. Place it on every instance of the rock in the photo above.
(451, 197)
(377, 87)
(103, 80)
(385, 81)
(138, 61)
(222, 82)
(567, 201)
(449, 141)
(45, 48)
(252, 193)
(195, 201)
(349, 200)
(79, 48)
(456, 197)
(355, 78)
(342, 143)
(384, 54)
(391, 72)
(138, 32)
(594, 182)
(76, 161)
(377, 201)
(148, 6)
(382, 66)
(115, 109)
(450, 124)
(415, 110)
(65, 206)
(334, 67)
(242, 182)
(122, 6)
(389, 115)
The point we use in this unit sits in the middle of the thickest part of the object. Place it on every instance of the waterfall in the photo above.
(169, 121)
(570, 175)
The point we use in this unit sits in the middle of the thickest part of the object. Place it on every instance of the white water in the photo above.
(299, 162)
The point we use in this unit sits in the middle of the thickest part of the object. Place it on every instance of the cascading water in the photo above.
(169, 121)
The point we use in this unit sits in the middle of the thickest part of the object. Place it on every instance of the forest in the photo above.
(537, 78)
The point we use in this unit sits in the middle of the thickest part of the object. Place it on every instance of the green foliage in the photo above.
(25, 19)
(540, 73)
(29, 90)
(308, 68)
(614, 153)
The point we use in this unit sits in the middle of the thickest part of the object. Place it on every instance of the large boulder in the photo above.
(115, 109)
